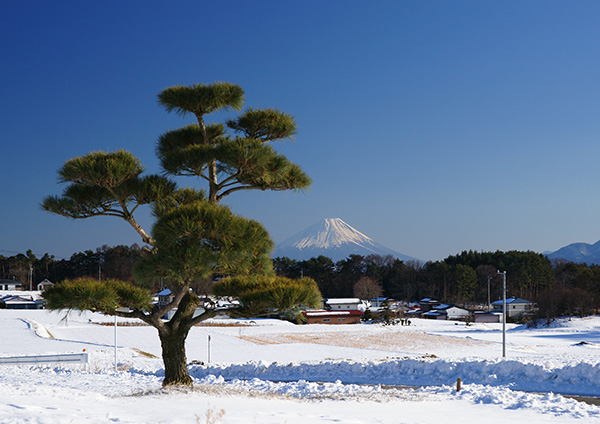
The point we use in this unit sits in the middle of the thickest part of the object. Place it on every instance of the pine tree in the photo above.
(194, 236)
(242, 160)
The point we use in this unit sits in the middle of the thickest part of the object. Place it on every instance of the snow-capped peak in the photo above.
(333, 238)
(330, 233)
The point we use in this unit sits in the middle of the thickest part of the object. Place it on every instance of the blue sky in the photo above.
(433, 127)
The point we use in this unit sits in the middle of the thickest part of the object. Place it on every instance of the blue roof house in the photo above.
(515, 307)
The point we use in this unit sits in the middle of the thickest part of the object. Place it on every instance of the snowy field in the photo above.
(267, 371)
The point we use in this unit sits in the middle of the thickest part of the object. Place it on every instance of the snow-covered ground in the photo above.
(267, 371)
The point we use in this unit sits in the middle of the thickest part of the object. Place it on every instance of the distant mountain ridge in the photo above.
(578, 253)
(333, 238)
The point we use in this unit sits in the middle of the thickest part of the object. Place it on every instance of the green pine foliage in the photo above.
(107, 184)
(262, 295)
(177, 199)
(196, 240)
(264, 125)
(99, 296)
(100, 169)
(201, 99)
(228, 161)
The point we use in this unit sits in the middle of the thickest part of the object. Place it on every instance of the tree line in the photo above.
(102, 263)
(558, 287)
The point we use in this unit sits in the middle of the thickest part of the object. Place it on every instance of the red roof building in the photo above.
(333, 317)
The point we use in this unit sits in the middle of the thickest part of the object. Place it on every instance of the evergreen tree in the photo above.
(242, 160)
(193, 236)
(466, 282)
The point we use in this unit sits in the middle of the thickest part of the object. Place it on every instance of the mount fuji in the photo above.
(333, 238)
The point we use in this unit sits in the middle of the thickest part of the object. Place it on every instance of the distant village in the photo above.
(13, 295)
(354, 310)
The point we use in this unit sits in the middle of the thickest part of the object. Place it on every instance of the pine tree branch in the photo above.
(173, 304)
(234, 189)
(229, 181)
(128, 217)
(208, 313)
(135, 313)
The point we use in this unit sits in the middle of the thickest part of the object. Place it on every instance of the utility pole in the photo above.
(208, 361)
(116, 369)
(489, 304)
(503, 273)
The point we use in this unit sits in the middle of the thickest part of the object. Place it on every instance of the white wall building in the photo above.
(345, 304)
(515, 307)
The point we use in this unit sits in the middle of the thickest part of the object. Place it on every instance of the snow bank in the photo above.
(581, 378)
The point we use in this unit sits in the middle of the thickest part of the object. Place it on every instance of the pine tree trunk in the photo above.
(172, 339)
(174, 359)
(213, 182)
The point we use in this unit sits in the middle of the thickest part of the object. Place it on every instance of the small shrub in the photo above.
(212, 416)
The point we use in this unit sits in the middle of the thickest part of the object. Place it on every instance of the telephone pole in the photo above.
(503, 313)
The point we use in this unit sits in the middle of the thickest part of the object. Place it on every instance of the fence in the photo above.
(67, 358)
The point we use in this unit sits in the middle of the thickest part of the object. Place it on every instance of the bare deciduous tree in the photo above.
(367, 288)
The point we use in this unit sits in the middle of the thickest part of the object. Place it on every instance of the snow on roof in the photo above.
(10, 282)
(331, 313)
(12, 299)
(165, 292)
(445, 307)
(23, 293)
(343, 300)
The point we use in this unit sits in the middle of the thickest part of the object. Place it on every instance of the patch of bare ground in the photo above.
(143, 353)
(218, 324)
(355, 393)
(405, 341)
(121, 324)
(202, 324)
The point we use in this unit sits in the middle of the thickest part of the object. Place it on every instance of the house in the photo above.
(413, 311)
(10, 285)
(333, 317)
(433, 314)
(164, 298)
(44, 284)
(445, 311)
(427, 304)
(398, 307)
(488, 317)
(11, 301)
(453, 312)
(345, 304)
(379, 302)
(515, 307)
